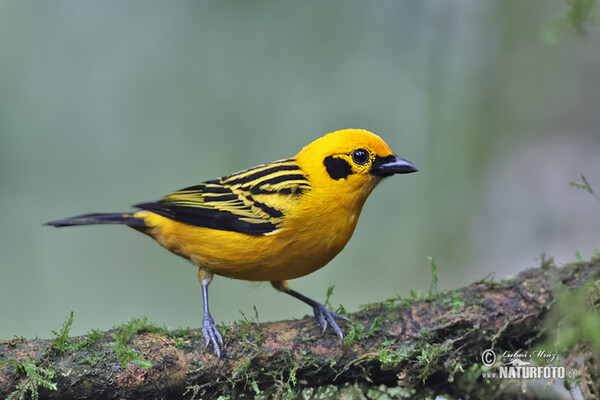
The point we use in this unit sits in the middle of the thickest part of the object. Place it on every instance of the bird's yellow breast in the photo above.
(312, 233)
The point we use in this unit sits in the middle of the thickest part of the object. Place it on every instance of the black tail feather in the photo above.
(98, 218)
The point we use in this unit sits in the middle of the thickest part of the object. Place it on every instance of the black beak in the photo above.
(390, 165)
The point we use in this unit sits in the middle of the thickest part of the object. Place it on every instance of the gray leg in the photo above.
(322, 314)
(210, 331)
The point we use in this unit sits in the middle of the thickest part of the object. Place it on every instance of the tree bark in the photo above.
(423, 345)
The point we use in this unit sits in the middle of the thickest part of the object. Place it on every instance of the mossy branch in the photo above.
(425, 346)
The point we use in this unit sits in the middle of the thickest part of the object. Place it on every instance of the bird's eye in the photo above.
(360, 156)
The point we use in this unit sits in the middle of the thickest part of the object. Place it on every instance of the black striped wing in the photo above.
(251, 201)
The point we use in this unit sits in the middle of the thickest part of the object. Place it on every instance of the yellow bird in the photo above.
(273, 222)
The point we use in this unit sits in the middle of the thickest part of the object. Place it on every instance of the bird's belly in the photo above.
(285, 254)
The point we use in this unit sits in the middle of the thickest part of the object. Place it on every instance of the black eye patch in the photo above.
(336, 167)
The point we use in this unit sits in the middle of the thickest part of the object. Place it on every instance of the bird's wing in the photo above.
(253, 201)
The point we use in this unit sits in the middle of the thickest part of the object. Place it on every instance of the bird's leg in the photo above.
(322, 314)
(210, 331)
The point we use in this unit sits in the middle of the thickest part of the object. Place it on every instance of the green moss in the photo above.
(120, 346)
(60, 342)
(285, 383)
(291, 381)
(584, 184)
(245, 375)
(357, 331)
(429, 356)
(469, 381)
(328, 296)
(426, 334)
(573, 324)
(488, 280)
(35, 376)
(433, 290)
(250, 321)
(251, 333)
(454, 302)
(577, 315)
(93, 337)
(37, 371)
(86, 343)
(390, 357)
(396, 302)
(255, 387)
(224, 329)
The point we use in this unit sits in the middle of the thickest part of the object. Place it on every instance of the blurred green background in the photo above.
(106, 104)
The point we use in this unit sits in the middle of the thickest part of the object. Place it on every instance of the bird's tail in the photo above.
(99, 218)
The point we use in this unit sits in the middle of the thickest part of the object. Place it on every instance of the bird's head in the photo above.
(351, 162)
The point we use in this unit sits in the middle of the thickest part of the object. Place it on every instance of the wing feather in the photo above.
(252, 201)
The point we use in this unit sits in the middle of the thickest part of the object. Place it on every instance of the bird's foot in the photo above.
(212, 335)
(325, 317)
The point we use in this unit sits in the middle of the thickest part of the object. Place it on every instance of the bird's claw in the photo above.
(325, 317)
(212, 335)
